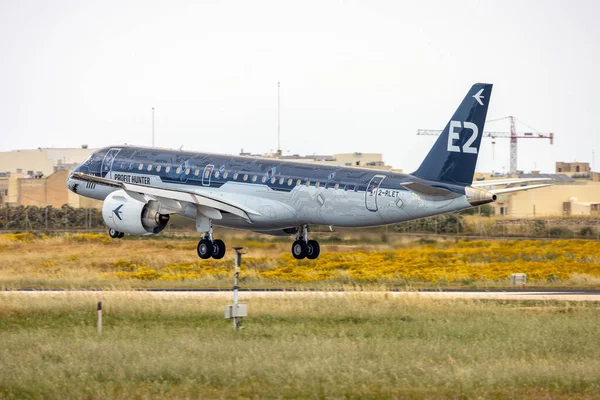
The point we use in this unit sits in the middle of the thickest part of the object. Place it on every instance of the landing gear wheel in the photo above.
(313, 249)
(121, 234)
(113, 233)
(218, 249)
(205, 249)
(299, 249)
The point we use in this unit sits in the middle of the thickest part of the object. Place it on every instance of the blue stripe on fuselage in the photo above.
(174, 164)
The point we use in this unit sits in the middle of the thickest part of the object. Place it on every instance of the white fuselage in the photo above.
(302, 205)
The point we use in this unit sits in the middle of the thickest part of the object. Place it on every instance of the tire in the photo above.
(218, 249)
(205, 249)
(299, 249)
(113, 233)
(121, 234)
(313, 249)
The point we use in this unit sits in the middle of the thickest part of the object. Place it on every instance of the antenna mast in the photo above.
(278, 120)
(152, 126)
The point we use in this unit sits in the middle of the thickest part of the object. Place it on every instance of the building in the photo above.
(42, 162)
(17, 189)
(357, 159)
(572, 167)
(560, 199)
(37, 177)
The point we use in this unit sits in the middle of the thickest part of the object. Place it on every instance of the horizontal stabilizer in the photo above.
(519, 188)
(508, 182)
(432, 193)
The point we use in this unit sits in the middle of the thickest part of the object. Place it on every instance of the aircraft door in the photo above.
(107, 163)
(371, 193)
(207, 174)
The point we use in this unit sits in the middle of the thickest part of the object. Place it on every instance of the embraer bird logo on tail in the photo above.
(477, 96)
(118, 212)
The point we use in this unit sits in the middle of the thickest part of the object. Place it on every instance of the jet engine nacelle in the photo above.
(123, 213)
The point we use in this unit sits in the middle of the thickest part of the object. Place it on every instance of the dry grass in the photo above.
(356, 346)
(96, 261)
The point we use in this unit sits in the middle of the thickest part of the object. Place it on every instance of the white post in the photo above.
(237, 311)
(99, 317)
(236, 275)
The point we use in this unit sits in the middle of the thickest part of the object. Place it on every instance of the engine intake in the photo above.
(126, 214)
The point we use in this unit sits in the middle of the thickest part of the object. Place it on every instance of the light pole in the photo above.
(152, 126)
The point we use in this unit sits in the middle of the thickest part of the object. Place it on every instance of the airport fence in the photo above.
(66, 218)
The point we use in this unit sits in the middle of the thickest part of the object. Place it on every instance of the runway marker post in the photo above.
(99, 317)
(237, 311)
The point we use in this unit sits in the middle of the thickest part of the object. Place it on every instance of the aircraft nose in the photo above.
(71, 184)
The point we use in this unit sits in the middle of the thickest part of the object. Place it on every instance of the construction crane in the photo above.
(512, 135)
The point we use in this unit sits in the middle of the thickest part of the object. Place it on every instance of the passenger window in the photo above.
(140, 167)
(273, 180)
(178, 170)
(217, 174)
(235, 176)
(187, 171)
(317, 184)
(281, 180)
(149, 167)
(264, 179)
(307, 182)
(245, 177)
(225, 175)
(168, 169)
(298, 182)
(158, 168)
(254, 178)
(337, 186)
(290, 181)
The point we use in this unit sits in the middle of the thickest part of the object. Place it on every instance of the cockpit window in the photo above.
(93, 164)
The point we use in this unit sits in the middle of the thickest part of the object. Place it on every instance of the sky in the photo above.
(356, 76)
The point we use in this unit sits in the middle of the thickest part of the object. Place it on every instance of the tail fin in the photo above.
(453, 157)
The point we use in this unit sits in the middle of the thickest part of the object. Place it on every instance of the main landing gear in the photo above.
(208, 247)
(304, 248)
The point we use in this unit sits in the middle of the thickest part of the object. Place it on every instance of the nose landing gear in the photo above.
(304, 248)
(113, 233)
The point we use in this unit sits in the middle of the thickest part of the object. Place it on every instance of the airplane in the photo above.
(141, 187)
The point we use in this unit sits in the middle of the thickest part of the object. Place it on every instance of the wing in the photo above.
(174, 201)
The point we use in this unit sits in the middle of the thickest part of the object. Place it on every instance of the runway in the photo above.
(504, 295)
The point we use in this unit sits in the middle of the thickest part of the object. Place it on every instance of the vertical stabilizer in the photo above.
(453, 157)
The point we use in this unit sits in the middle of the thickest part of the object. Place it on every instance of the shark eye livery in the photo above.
(139, 196)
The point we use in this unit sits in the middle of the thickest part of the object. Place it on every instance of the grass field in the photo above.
(356, 346)
(374, 261)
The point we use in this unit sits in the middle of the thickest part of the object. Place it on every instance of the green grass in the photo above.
(355, 346)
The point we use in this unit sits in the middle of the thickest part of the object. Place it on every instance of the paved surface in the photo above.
(562, 295)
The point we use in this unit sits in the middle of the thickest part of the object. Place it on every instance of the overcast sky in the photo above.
(355, 76)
